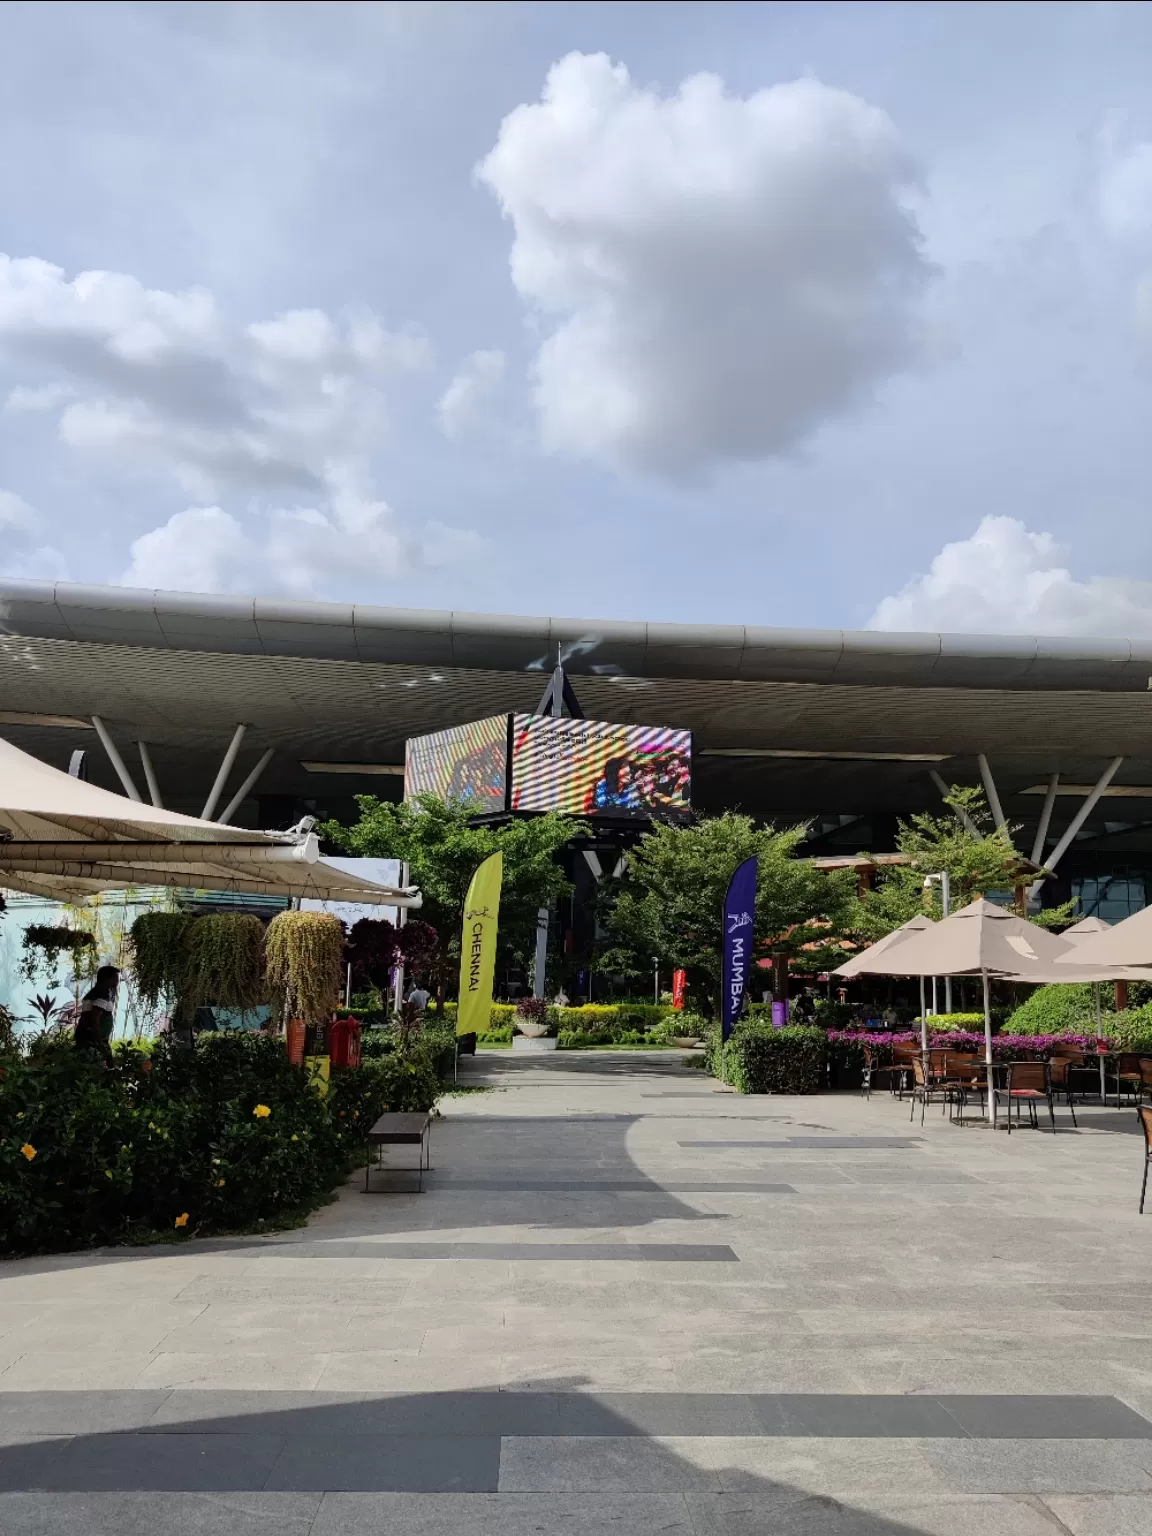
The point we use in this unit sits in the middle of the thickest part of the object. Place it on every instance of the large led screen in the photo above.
(591, 768)
(466, 763)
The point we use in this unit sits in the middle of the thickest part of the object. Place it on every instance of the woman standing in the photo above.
(98, 1014)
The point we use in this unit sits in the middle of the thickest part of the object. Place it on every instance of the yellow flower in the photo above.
(261, 1111)
(219, 1183)
(295, 1137)
(182, 1219)
(28, 1150)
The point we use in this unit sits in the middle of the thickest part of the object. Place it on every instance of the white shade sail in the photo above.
(66, 840)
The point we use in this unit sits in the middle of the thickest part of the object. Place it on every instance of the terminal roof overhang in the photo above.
(350, 682)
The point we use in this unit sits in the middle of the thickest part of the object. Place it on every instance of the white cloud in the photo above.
(44, 398)
(1126, 193)
(165, 381)
(201, 550)
(721, 274)
(301, 551)
(1007, 580)
(20, 555)
(462, 405)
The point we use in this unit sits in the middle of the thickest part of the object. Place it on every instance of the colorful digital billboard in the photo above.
(592, 768)
(468, 763)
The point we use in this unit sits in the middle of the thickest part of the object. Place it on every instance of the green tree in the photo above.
(442, 849)
(976, 863)
(670, 902)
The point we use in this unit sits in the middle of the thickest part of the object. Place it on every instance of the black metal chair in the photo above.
(1145, 1116)
(872, 1068)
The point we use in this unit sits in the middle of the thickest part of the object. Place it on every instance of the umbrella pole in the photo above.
(923, 1019)
(988, 1050)
(1099, 1037)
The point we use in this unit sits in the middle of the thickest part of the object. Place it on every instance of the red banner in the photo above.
(679, 981)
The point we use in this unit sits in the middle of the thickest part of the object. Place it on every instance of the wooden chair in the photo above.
(927, 1090)
(904, 1054)
(1146, 1076)
(1129, 1075)
(872, 1069)
(1145, 1116)
(962, 1075)
(1027, 1083)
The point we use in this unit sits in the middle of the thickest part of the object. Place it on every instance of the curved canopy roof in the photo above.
(62, 838)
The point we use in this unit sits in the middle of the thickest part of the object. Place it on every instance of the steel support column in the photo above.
(222, 775)
(1081, 816)
(115, 759)
(990, 792)
(245, 789)
(1045, 820)
(150, 774)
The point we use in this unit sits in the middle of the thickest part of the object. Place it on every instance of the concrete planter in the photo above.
(533, 1042)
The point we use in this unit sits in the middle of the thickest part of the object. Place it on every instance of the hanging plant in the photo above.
(304, 954)
(51, 943)
(160, 955)
(225, 961)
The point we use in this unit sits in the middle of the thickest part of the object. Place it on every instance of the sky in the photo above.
(829, 315)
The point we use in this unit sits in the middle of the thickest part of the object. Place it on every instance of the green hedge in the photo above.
(1061, 1006)
(584, 1039)
(760, 1059)
(178, 1142)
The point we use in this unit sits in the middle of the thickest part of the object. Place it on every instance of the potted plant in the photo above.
(531, 1018)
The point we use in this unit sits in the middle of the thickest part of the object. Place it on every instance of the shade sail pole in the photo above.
(988, 1050)
(923, 1018)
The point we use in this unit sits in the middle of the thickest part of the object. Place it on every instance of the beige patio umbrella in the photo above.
(67, 840)
(981, 939)
(1112, 950)
(866, 963)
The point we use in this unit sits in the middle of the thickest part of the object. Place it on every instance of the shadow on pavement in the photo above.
(556, 1461)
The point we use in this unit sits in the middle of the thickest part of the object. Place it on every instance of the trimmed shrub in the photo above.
(947, 1023)
(1063, 1005)
(761, 1059)
(1131, 1030)
(225, 1136)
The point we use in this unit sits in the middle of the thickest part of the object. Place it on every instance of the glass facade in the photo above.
(1112, 896)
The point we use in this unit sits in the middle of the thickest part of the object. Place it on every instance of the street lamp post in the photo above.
(656, 980)
(945, 885)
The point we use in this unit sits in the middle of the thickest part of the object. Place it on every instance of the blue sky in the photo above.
(506, 307)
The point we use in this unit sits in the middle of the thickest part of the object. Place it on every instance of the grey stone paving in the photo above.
(596, 1320)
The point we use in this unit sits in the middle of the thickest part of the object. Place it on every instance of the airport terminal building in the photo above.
(259, 711)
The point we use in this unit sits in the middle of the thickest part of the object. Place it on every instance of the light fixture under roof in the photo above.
(396, 769)
(1124, 791)
(846, 757)
(22, 717)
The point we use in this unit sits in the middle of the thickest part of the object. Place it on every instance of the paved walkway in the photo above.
(627, 1302)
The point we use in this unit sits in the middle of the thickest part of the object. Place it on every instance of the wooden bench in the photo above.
(400, 1130)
